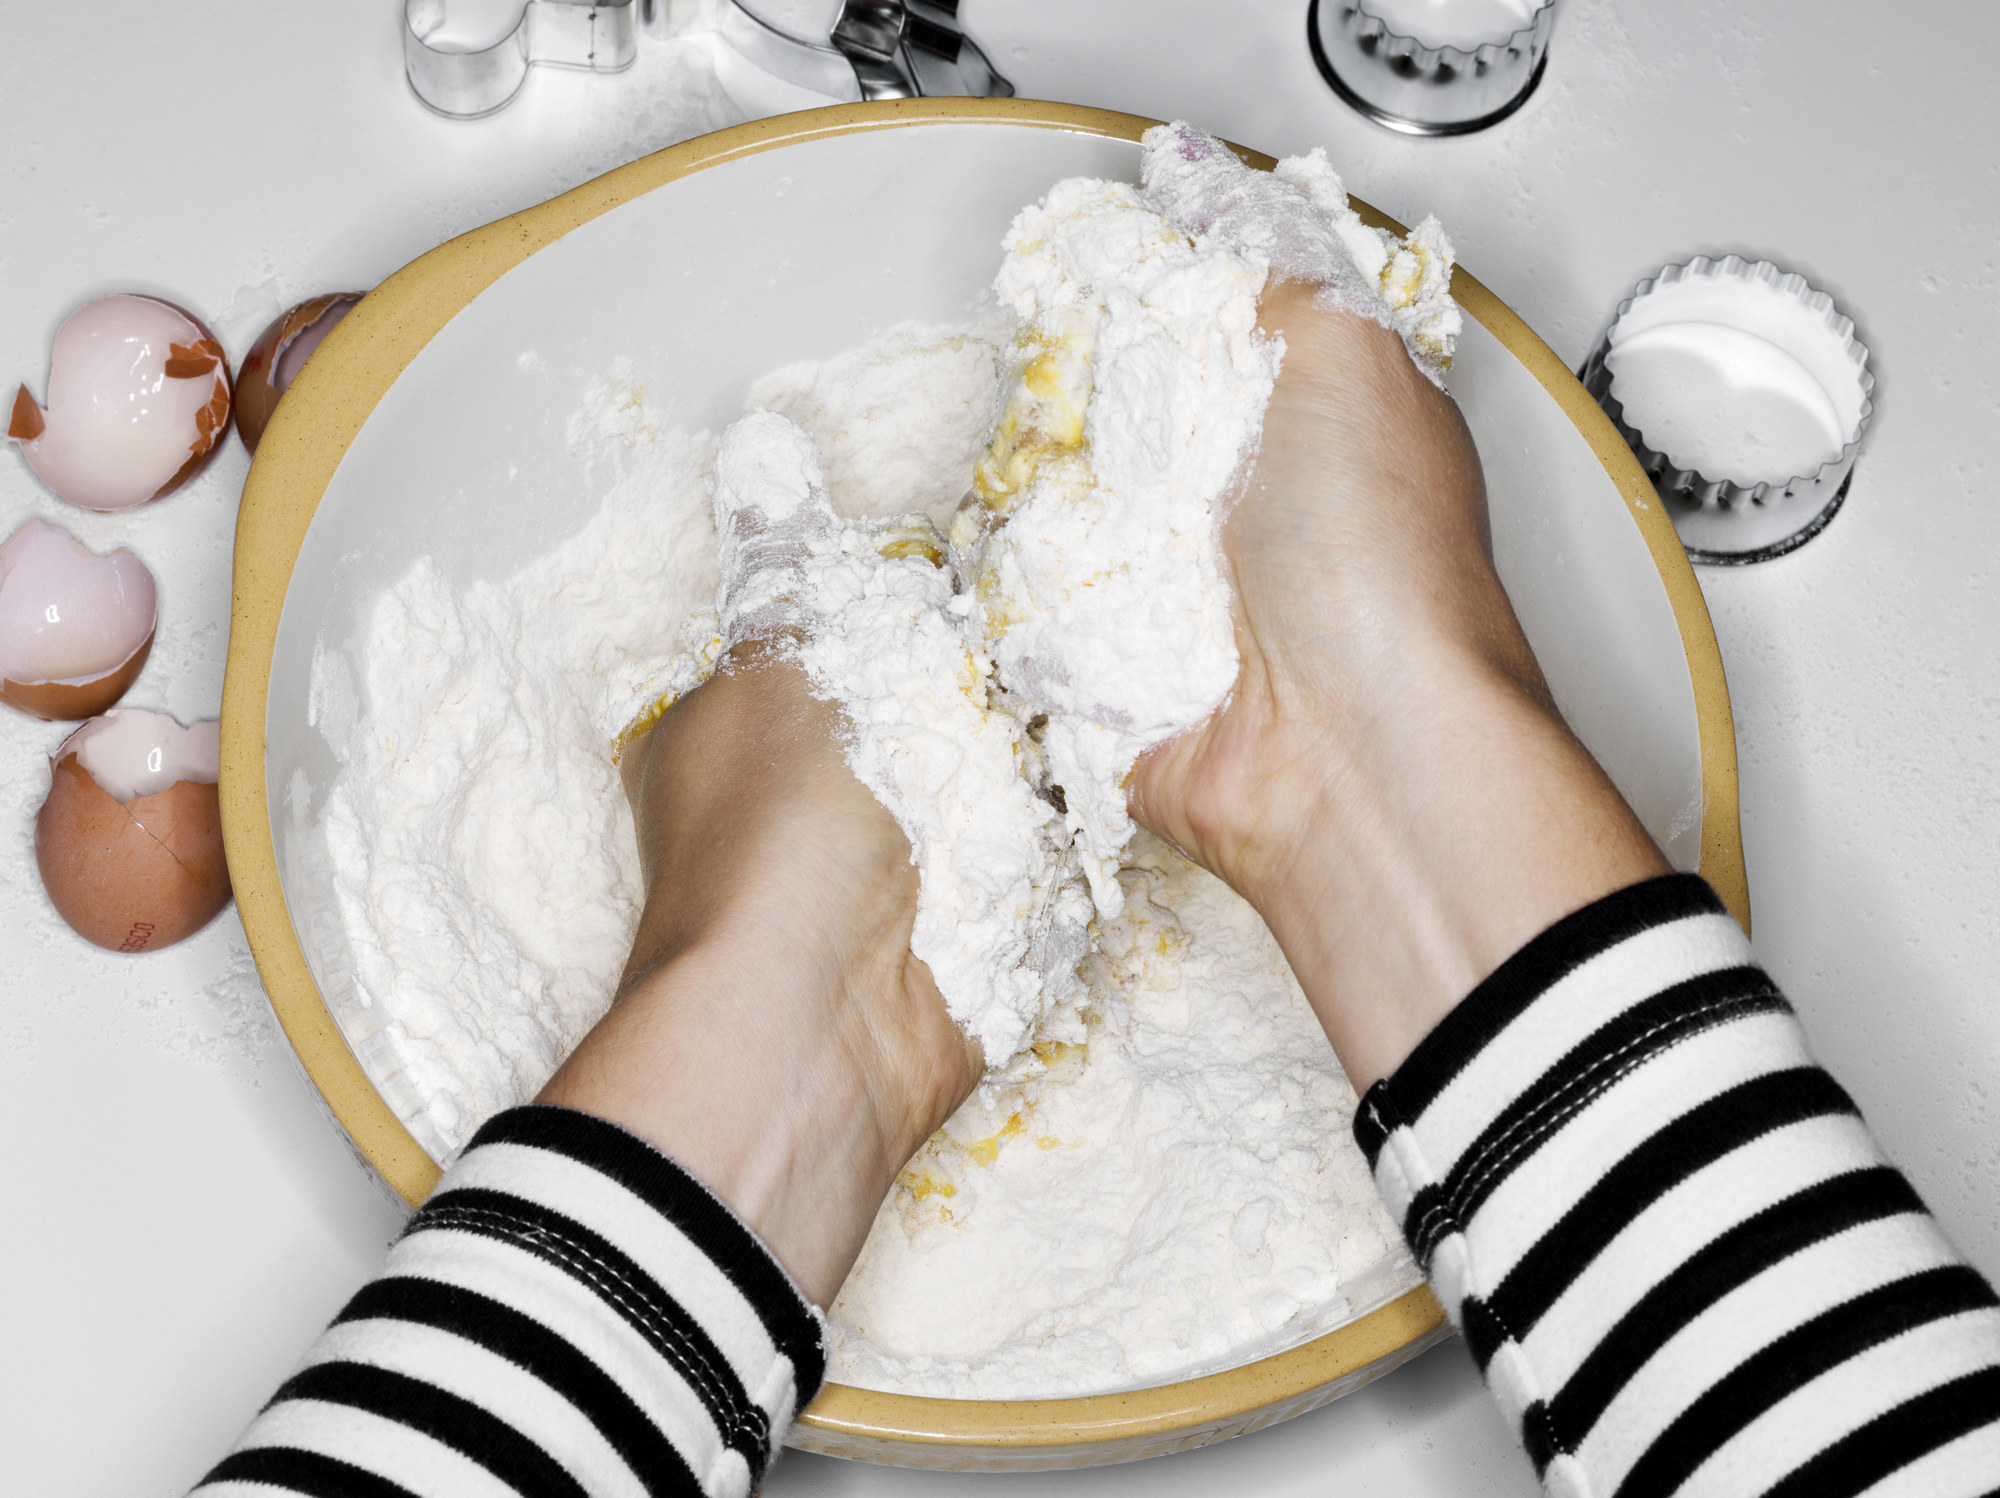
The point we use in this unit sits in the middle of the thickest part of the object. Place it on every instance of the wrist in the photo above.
(772, 1032)
(744, 1058)
(1428, 842)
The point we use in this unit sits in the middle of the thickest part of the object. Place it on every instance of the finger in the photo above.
(1299, 224)
(772, 514)
(1297, 220)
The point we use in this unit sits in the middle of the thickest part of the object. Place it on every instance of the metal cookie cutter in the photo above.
(873, 49)
(600, 36)
(1733, 520)
(1400, 82)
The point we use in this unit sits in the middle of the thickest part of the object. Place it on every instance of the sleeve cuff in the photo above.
(686, 1291)
(1585, 1004)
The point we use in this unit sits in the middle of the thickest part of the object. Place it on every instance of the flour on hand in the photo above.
(1093, 555)
(1296, 221)
(1001, 918)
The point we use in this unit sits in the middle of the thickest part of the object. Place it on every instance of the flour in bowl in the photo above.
(1157, 1176)
(1085, 617)
(1179, 1189)
(477, 851)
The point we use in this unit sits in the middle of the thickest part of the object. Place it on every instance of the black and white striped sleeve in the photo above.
(1666, 1234)
(569, 1314)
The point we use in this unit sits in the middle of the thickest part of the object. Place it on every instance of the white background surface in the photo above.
(180, 1218)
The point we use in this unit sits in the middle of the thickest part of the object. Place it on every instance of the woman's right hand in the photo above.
(1389, 783)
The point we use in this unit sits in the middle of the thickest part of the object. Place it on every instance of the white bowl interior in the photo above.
(800, 253)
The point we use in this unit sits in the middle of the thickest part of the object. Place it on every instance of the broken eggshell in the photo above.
(138, 403)
(75, 627)
(278, 355)
(129, 839)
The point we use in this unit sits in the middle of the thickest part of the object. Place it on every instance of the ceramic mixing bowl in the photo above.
(419, 429)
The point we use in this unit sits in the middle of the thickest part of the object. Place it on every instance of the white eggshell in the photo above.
(138, 398)
(74, 626)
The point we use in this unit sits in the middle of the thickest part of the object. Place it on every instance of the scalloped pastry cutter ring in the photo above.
(1745, 393)
(1451, 85)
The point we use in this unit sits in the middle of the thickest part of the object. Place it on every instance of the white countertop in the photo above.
(181, 1216)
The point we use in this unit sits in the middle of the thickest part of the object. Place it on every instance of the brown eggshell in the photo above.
(57, 701)
(202, 359)
(257, 383)
(27, 422)
(131, 878)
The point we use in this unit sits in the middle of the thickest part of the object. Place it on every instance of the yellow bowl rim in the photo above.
(296, 460)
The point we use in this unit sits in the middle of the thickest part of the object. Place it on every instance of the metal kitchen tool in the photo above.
(600, 36)
(871, 49)
(1399, 82)
(1723, 522)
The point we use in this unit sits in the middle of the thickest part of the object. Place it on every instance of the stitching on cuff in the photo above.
(615, 1288)
(1576, 1093)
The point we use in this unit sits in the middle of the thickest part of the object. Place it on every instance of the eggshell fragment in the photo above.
(278, 355)
(26, 423)
(138, 402)
(75, 627)
(129, 839)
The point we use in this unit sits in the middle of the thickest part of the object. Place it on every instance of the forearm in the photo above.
(1433, 842)
(617, 1294)
(778, 1119)
(1672, 1246)
(1671, 1243)
(773, 1033)
(569, 1313)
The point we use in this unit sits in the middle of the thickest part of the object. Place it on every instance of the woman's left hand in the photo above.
(773, 1033)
